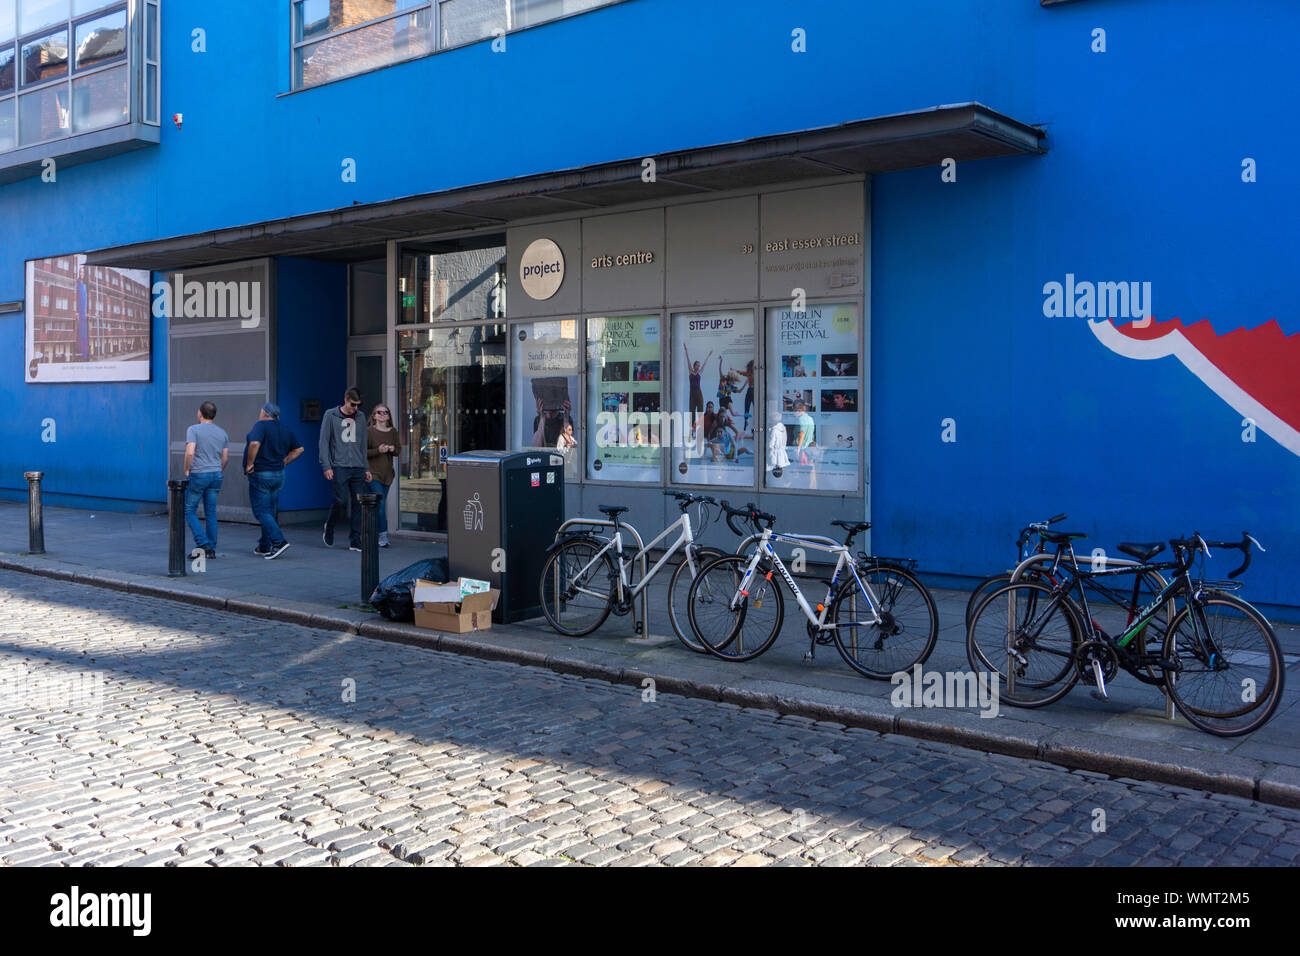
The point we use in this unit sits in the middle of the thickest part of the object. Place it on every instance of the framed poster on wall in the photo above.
(86, 323)
(546, 366)
(814, 390)
(714, 357)
(624, 398)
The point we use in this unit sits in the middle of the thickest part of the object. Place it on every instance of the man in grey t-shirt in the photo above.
(207, 449)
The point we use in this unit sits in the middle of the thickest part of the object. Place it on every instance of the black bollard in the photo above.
(176, 527)
(35, 518)
(369, 545)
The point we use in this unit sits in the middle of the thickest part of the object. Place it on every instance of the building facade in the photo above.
(948, 266)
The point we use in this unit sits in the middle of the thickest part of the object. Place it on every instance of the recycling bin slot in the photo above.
(503, 509)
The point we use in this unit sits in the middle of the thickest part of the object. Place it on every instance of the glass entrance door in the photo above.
(451, 399)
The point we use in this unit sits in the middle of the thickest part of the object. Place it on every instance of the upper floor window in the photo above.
(337, 38)
(69, 67)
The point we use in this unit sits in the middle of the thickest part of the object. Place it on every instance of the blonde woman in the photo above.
(383, 446)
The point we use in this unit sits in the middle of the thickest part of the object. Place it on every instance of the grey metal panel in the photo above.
(609, 285)
(813, 215)
(236, 413)
(706, 258)
(567, 300)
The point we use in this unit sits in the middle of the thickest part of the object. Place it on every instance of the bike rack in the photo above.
(642, 627)
(1171, 712)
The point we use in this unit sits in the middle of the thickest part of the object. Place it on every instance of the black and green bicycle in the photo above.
(1213, 654)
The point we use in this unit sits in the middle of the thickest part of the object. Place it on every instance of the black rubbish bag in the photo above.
(392, 598)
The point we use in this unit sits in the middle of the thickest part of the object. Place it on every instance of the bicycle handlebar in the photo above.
(1038, 526)
(1243, 546)
(748, 513)
(685, 500)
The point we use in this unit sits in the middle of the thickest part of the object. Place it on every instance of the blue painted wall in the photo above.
(1142, 183)
(311, 362)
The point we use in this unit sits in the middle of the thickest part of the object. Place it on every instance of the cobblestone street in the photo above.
(145, 732)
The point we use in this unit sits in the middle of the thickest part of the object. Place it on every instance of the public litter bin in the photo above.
(503, 509)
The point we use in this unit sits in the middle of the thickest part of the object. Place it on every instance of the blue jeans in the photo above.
(204, 485)
(264, 498)
(379, 488)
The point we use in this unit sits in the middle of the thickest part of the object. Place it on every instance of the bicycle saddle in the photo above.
(1061, 537)
(1143, 552)
(853, 526)
(612, 510)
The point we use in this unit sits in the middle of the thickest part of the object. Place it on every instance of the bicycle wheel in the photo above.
(1226, 675)
(729, 624)
(577, 586)
(1022, 631)
(907, 630)
(983, 590)
(679, 586)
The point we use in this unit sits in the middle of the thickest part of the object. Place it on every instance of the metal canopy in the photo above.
(903, 141)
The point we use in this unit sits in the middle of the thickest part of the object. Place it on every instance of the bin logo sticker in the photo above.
(550, 477)
(474, 514)
(535, 479)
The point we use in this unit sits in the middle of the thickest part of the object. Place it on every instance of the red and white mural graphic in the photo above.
(1256, 371)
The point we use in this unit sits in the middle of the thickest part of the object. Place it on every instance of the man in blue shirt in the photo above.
(268, 448)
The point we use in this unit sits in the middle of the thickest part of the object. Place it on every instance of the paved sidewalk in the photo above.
(316, 586)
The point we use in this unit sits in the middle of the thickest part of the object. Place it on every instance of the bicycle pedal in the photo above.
(1101, 697)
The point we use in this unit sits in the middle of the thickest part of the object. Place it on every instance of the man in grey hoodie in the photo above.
(344, 462)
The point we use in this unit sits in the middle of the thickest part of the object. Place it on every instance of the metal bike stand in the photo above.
(1171, 712)
(642, 627)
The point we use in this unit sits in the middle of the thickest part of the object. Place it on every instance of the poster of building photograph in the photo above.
(623, 404)
(813, 365)
(86, 323)
(713, 397)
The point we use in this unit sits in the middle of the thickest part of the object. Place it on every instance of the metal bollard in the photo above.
(176, 527)
(369, 545)
(35, 518)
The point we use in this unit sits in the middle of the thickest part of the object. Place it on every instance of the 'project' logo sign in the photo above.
(541, 269)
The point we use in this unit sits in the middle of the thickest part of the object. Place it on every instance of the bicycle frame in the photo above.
(819, 543)
(626, 590)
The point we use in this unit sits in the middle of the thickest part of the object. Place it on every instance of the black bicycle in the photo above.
(1216, 657)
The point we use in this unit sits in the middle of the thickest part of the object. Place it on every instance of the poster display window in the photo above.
(714, 361)
(814, 397)
(624, 398)
(546, 366)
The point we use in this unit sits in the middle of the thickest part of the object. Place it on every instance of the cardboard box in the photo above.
(426, 592)
(471, 613)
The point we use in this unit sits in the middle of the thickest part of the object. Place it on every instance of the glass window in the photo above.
(7, 77)
(101, 99)
(451, 398)
(365, 49)
(452, 286)
(624, 391)
(464, 21)
(527, 13)
(7, 26)
(101, 39)
(151, 32)
(35, 14)
(45, 58)
(151, 94)
(43, 114)
(8, 131)
(368, 312)
(545, 381)
(814, 398)
(713, 360)
(318, 18)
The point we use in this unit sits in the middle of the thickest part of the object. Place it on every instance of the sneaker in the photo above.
(383, 540)
(259, 552)
(277, 551)
(354, 547)
(211, 553)
(328, 536)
